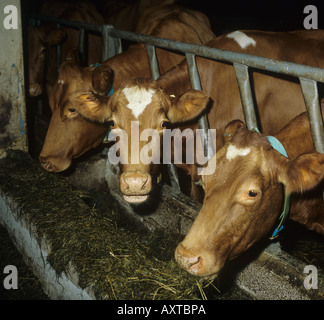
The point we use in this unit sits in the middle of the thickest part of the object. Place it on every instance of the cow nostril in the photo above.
(188, 262)
(145, 182)
(124, 183)
(192, 261)
(35, 89)
(47, 165)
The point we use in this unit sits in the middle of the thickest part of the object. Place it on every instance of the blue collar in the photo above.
(276, 144)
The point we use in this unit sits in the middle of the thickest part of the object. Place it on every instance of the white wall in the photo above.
(12, 91)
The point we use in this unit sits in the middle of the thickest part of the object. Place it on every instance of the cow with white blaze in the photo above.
(246, 194)
(278, 99)
(69, 134)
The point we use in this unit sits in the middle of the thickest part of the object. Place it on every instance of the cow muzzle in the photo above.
(135, 186)
(52, 166)
(199, 264)
(35, 89)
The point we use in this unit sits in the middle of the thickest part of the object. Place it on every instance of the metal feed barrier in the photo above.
(308, 76)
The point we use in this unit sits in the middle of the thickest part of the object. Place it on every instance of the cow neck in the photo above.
(277, 145)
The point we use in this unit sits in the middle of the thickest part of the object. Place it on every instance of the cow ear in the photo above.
(302, 173)
(231, 128)
(102, 80)
(91, 106)
(189, 106)
(55, 37)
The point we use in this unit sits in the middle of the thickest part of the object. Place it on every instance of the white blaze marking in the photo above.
(233, 152)
(242, 39)
(138, 99)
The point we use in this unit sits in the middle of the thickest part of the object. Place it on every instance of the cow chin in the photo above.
(135, 199)
(144, 204)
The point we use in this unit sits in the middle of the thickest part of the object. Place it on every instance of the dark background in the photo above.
(227, 15)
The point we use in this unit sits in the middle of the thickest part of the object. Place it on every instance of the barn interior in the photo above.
(99, 248)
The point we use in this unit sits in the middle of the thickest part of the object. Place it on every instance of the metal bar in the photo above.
(272, 65)
(82, 47)
(153, 63)
(209, 149)
(155, 74)
(310, 93)
(118, 45)
(109, 44)
(243, 80)
(70, 23)
(58, 50)
(266, 64)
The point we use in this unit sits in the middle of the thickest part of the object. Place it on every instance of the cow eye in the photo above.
(164, 124)
(253, 193)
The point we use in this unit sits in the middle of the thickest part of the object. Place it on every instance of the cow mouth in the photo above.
(136, 198)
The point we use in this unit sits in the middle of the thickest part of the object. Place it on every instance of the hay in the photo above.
(116, 262)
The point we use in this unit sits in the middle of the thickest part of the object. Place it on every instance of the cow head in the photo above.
(39, 39)
(243, 198)
(69, 135)
(139, 108)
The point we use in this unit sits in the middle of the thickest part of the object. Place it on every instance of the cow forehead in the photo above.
(233, 152)
(138, 98)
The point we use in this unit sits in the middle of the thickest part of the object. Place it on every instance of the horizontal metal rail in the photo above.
(308, 76)
(273, 65)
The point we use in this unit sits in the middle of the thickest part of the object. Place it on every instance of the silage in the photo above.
(113, 261)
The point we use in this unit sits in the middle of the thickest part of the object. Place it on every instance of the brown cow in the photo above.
(124, 15)
(70, 135)
(245, 195)
(46, 37)
(134, 102)
(219, 82)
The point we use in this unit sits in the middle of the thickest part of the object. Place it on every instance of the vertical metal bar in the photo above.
(243, 80)
(82, 47)
(109, 44)
(118, 46)
(209, 149)
(153, 63)
(155, 74)
(310, 93)
(58, 53)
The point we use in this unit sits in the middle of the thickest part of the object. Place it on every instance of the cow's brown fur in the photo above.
(244, 197)
(62, 143)
(278, 99)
